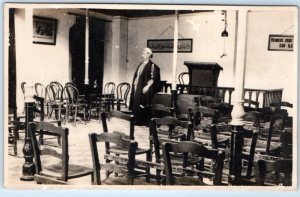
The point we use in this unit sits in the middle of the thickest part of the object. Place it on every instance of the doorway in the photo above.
(96, 52)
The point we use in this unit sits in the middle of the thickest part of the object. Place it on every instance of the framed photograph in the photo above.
(166, 45)
(44, 30)
(281, 42)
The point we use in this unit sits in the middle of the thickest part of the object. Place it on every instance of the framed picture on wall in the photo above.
(44, 30)
(166, 45)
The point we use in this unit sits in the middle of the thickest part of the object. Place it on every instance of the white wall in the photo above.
(205, 30)
(48, 62)
(270, 69)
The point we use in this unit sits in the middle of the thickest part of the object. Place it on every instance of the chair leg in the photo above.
(149, 158)
(75, 116)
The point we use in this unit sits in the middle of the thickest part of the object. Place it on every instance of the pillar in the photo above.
(240, 64)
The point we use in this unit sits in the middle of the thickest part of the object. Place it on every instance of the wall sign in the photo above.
(44, 30)
(281, 43)
(166, 45)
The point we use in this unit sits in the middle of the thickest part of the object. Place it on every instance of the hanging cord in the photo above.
(287, 29)
(224, 54)
(170, 27)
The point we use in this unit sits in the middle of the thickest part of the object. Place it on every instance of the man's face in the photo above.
(145, 55)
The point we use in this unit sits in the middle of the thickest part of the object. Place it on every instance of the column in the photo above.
(240, 64)
(86, 77)
(174, 68)
(119, 49)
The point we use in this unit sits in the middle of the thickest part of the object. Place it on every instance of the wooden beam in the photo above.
(82, 12)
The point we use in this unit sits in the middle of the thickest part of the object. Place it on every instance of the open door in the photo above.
(96, 51)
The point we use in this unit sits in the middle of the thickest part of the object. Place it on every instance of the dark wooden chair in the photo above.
(108, 96)
(163, 99)
(242, 149)
(122, 94)
(74, 104)
(163, 130)
(286, 140)
(127, 170)
(53, 101)
(269, 139)
(194, 176)
(120, 150)
(46, 165)
(270, 172)
(183, 78)
(159, 111)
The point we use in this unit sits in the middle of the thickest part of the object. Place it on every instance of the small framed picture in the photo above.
(44, 30)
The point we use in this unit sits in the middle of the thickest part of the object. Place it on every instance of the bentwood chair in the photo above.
(51, 160)
(183, 78)
(122, 94)
(108, 95)
(191, 176)
(126, 170)
(74, 105)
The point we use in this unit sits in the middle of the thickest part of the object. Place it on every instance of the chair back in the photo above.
(191, 148)
(71, 94)
(197, 113)
(40, 90)
(111, 138)
(163, 99)
(109, 88)
(183, 78)
(23, 87)
(281, 166)
(46, 149)
(275, 129)
(176, 130)
(58, 89)
(123, 90)
(239, 138)
(50, 93)
(120, 115)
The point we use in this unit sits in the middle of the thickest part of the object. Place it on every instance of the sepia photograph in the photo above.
(149, 96)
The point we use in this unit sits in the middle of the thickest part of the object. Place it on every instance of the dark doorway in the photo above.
(96, 51)
(12, 106)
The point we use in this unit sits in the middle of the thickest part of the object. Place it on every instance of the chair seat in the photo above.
(74, 170)
(206, 138)
(119, 150)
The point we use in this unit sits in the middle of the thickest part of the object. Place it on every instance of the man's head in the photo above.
(146, 54)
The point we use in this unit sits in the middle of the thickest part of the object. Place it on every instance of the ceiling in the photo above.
(143, 13)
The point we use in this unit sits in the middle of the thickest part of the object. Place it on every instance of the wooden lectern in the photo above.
(202, 74)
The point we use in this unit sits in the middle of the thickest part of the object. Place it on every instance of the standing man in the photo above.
(145, 85)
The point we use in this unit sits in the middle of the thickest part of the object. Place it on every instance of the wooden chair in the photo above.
(159, 111)
(120, 150)
(166, 129)
(163, 99)
(269, 139)
(119, 141)
(122, 93)
(62, 171)
(182, 78)
(243, 144)
(263, 168)
(53, 101)
(40, 90)
(194, 176)
(108, 96)
(74, 105)
(286, 140)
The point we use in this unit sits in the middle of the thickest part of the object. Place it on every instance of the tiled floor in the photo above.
(79, 150)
